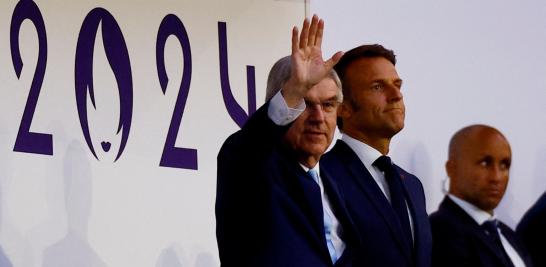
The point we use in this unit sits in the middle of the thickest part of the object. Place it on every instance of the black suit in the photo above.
(266, 215)
(532, 230)
(373, 216)
(458, 240)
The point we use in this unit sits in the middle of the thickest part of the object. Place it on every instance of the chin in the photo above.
(489, 206)
(315, 150)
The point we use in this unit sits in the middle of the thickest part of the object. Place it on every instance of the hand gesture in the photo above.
(308, 67)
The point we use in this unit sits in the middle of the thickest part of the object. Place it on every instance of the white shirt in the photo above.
(279, 112)
(368, 155)
(480, 217)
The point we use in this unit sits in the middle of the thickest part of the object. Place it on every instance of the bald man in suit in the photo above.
(465, 230)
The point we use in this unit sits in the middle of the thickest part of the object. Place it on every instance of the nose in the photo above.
(498, 174)
(395, 94)
(316, 114)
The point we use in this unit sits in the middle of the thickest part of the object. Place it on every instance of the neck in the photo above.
(462, 196)
(381, 144)
(309, 161)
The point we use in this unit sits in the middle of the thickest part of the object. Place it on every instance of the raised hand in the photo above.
(308, 66)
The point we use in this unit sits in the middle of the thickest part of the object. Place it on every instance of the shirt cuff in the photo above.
(279, 112)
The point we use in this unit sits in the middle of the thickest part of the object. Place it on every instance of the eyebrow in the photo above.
(333, 98)
(384, 80)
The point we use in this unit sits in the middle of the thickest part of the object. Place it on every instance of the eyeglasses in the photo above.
(327, 106)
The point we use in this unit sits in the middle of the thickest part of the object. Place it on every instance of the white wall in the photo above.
(463, 62)
(69, 206)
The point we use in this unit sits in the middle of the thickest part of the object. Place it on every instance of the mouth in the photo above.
(495, 192)
(394, 110)
(314, 133)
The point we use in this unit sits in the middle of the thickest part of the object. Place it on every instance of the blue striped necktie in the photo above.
(328, 226)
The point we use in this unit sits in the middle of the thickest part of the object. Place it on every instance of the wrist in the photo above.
(293, 93)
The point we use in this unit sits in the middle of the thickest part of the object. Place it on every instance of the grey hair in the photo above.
(280, 73)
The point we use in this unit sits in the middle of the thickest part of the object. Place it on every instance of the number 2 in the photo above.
(27, 141)
(176, 157)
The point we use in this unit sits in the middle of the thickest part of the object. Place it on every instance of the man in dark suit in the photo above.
(274, 205)
(532, 230)
(464, 229)
(386, 203)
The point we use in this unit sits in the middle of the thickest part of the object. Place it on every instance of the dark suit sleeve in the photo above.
(242, 195)
(532, 231)
(450, 248)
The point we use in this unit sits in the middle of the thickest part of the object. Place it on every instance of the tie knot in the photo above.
(384, 163)
(490, 227)
(314, 174)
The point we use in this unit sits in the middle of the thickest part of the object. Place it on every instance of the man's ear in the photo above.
(450, 168)
(344, 110)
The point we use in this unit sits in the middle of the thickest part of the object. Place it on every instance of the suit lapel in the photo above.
(312, 198)
(369, 186)
(478, 232)
(486, 240)
(515, 243)
(419, 226)
(303, 201)
(349, 232)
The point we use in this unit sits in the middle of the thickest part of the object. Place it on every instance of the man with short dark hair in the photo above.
(464, 229)
(386, 203)
(275, 206)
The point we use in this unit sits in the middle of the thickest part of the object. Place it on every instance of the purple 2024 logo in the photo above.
(27, 141)
(118, 58)
(172, 156)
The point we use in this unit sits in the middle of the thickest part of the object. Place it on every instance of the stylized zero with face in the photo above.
(118, 58)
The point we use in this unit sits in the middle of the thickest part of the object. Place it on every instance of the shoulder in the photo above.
(453, 242)
(450, 227)
(535, 217)
(339, 148)
(412, 182)
(340, 154)
(408, 176)
(258, 136)
(449, 224)
(446, 216)
(443, 219)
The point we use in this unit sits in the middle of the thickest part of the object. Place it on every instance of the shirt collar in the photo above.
(365, 153)
(316, 168)
(479, 215)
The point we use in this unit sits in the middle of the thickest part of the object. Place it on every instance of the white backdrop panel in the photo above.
(72, 209)
(463, 62)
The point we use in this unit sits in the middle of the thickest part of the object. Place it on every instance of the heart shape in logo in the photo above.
(105, 146)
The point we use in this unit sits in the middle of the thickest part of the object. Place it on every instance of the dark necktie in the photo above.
(490, 228)
(398, 199)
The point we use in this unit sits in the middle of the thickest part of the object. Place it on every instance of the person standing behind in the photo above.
(532, 230)
(275, 206)
(464, 229)
(386, 203)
